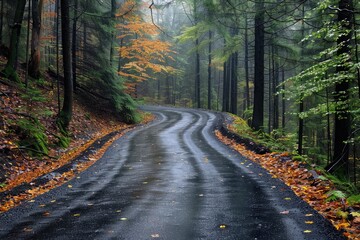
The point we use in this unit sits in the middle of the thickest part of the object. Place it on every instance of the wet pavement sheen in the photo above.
(170, 179)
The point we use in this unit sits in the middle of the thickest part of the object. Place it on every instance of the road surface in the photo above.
(171, 179)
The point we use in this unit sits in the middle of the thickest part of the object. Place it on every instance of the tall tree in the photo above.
(258, 110)
(66, 111)
(34, 62)
(74, 44)
(342, 117)
(197, 60)
(11, 65)
(209, 70)
(1, 20)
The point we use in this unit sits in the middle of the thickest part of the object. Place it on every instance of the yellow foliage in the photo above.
(141, 52)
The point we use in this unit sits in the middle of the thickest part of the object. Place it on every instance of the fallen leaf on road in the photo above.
(69, 186)
(307, 231)
(155, 235)
(284, 212)
(123, 219)
(222, 226)
(309, 215)
(76, 215)
(45, 214)
(309, 222)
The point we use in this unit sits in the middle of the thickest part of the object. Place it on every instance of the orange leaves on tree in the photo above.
(140, 52)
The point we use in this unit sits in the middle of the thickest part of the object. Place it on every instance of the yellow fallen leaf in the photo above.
(307, 231)
(123, 219)
(69, 186)
(309, 222)
(156, 235)
(309, 215)
(76, 215)
(355, 214)
(32, 200)
(287, 199)
(118, 211)
(52, 201)
(222, 226)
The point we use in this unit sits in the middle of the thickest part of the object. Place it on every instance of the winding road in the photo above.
(171, 179)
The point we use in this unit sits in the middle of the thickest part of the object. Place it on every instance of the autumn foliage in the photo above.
(141, 52)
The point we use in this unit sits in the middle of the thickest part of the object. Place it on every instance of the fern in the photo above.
(354, 199)
(335, 195)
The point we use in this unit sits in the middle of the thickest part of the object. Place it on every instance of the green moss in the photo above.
(32, 135)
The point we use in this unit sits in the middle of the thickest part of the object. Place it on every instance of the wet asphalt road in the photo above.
(168, 180)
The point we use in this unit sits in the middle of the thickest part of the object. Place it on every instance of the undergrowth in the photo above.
(278, 142)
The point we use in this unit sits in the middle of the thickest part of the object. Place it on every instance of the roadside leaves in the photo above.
(76, 215)
(306, 184)
(285, 212)
(156, 235)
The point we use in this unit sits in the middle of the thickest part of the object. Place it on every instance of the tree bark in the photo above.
(209, 71)
(66, 111)
(234, 83)
(258, 109)
(74, 44)
(341, 96)
(34, 62)
(246, 59)
(1, 21)
(11, 65)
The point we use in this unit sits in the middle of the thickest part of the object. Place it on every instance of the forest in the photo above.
(290, 69)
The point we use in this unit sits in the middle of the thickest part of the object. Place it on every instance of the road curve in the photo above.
(170, 179)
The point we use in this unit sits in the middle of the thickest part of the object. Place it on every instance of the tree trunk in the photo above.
(197, 75)
(258, 109)
(300, 129)
(275, 70)
(209, 71)
(342, 117)
(246, 59)
(11, 65)
(283, 105)
(34, 62)
(74, 44)
(113, 37)
(270, 102)
(234, 82)
(1, 21)
(197, 64)
(66, 112)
